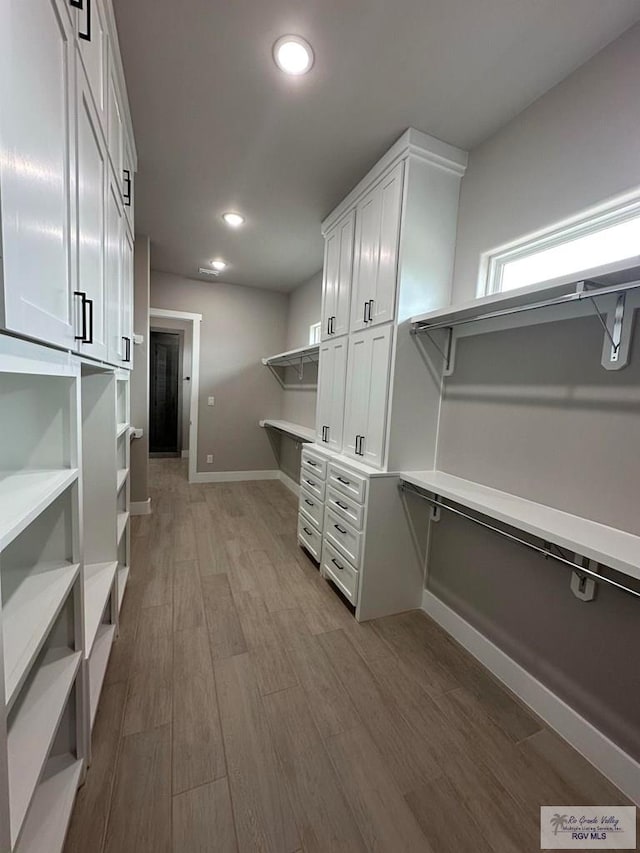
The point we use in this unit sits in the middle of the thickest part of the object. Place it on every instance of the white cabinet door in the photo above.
(128, 173)
(93, 44)
(367, 395)
(338, 269)
(37, 57)
(115, 134)
(331, 388)
(115, 271)
(91, 185)
(376, 252)
(329, 280)
(127, 299)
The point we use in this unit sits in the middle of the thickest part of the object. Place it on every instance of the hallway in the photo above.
(245, 709)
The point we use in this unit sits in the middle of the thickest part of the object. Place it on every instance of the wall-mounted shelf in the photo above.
(612, 300)
(98, 666)
(121, 429)
(25, 494)
(614, 548)
(98, 582)
(296, 358)
(121, 478)
(123, 517)
(301, 433)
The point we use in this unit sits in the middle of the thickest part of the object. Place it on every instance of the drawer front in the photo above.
(312, 484)
(309, 537)
(349, 484)
(343, 537)
(340, 571)
(312, 464)
(345, 507)
(312, 508)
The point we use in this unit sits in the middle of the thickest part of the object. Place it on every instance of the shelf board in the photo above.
(607, 545)
(33, 729)
(98, 665)
(309, 353)
(36, 597)
(123, 517)
(123, 473)
(302, 433)
(46, 825)
(25, 494)
(98, 582)
(121, 429)
(123, 577)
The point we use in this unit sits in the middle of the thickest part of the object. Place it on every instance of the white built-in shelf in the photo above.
(294, 357)
(25, 494)
(302, 433)
(123, 517)
(50, 811)
(32, 731)
(123, 577)
(98, 665)
(607, 545)
(121, 429)
(123, 473)
(98, 581)
(35, 597)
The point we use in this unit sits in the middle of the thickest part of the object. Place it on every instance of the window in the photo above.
(314, 333)
(591, 242)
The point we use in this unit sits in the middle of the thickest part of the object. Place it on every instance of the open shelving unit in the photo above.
(300, 433)
(123, 486)
(295, 360)
(43, 710)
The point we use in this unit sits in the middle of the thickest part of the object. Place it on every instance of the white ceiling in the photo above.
(218, 127)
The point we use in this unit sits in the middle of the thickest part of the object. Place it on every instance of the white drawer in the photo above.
(312, 464)
(312, 483)
(312, 507)
(345, 507)
(349, 484)
(343, 537)
(309, 537)
(340, 571)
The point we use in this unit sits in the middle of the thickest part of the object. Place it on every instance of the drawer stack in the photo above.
(313, 476)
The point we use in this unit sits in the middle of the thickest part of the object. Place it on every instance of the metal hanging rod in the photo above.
(544, 551)
(577, 296)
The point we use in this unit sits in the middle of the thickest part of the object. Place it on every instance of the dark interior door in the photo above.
(164, 357)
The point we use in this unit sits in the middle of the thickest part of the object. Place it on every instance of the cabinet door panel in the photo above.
(114, 266)
(331, 391)
(37, 56)
(357, 394)
(94, 53)
(342, 301)
(115, 136)
(373, 444)
(367, 240)
(128, 177)
(91, 182)
(330, 280)
(127, 298)
(384, 297)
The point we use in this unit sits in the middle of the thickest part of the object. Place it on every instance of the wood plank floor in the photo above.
(244, 709)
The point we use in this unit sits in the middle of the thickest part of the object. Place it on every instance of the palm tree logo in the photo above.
(557, 822)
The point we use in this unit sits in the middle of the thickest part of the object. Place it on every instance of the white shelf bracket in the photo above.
(583, 587)
(618, 328)
(447, 351)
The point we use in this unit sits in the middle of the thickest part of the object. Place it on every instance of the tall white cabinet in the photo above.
(66, 347)
(389, 248)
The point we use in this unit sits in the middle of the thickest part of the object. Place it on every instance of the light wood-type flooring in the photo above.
(244, 708)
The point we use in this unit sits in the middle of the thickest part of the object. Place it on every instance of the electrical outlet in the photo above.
(209, 458)
(211, 401)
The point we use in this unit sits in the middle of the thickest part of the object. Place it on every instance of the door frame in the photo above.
(195, 320)
(180, 335)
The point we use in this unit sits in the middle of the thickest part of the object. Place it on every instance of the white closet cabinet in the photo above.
(91, 182)
(331, 389)
(336, 286)
(37, 61)
(366, 400)
(376, 252)
(93, 47)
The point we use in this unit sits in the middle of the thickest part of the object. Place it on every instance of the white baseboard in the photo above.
(234, 476)
(606, 756)
(185, 454)
(140, 507)
(290, 483)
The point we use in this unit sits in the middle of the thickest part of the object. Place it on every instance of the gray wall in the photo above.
(140, 373)
(573, 148)
(303, 310)
(239, 326)
(531, 411)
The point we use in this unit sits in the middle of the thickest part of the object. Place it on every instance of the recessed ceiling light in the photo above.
(235, 220)
(293, 55)
(218, 264)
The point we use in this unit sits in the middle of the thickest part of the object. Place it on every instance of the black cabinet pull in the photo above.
(127, 349)
(126, 195)
(367, 308)
(359, 443)
(333, 325)
(311, 462)
(342, 480)
(86, 35)
(371, 304)
(340, 529)
(83, 301)
(307, 531)
(325, 433)
(89, 338)
(328, 325)
(308, 502)
(77, 4)
(341, 505)
(337, 564)
(310, 482)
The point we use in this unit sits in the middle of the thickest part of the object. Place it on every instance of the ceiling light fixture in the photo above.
(234, 220)
(218, 264)
(293, 55)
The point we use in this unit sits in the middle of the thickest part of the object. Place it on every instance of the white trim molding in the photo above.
(185, 454)
(290, 483)
(619, 767)
(140, 507)
(233, 476)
